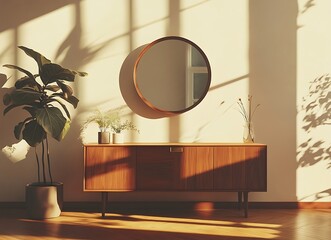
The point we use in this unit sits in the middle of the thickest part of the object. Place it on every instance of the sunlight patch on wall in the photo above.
(148, 12)
(106, 49)
(108, 21)
(6, 48)
(226, 47)
(186, 4)
(7, 56)
(150, 20)
(313, 102)
(42, 33)
(17, 151)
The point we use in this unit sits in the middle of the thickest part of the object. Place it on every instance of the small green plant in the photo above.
(247, 114)
(103, 119)
(118, 126)
(110, 119)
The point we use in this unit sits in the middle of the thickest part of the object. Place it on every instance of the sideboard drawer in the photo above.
(158, 168)
(240, 168)
(110, 168)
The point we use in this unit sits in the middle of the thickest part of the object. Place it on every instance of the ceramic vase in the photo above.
(118, 138)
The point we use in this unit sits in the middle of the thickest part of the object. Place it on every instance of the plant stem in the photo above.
(49, 161)
(38, 167)
(43, 160)
(250, 108)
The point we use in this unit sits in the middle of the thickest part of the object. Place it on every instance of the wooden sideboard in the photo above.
(192, 167)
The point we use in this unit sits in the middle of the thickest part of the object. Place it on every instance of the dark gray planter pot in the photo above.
(103, 137)
(44, 200)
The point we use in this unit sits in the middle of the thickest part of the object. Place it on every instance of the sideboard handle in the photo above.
(176, 149)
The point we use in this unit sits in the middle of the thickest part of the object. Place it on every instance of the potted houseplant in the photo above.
(42, 96)
(118, 125)
(109, 121)
(104, 120)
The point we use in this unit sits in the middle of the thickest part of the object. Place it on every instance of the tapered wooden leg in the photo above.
(246, 204)
(240, 194)
(104, 200)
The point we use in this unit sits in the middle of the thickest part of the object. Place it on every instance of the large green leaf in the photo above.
(53, 88)
(6, 99)
(33, 133)
(52, 72)
(32, 110)
(53, 122)
(62, 105)
(29, 74)
(27, 81)
(10, 107)
(18, 128)
(21, 97)
(81, 74)
(40, 59)
(71, 99)
(24, 96)
(65, 130)
(66, 89)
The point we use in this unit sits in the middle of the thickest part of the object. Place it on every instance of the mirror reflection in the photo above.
(172, 74)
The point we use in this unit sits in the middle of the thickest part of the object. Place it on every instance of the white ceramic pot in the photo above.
(118, 138)
(44, 200)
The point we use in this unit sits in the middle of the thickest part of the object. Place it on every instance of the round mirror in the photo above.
(172, 75)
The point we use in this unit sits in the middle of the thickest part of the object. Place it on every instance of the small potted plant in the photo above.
(43, 97)
(104, 120)
(109, 121)
(118, 125)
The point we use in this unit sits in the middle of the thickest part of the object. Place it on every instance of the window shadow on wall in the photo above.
(17, 12)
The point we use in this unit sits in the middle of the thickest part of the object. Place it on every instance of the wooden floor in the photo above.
(180, 225)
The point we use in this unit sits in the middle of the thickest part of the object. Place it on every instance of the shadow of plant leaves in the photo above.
(317, 112)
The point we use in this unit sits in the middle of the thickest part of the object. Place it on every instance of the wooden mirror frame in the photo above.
(141, 55)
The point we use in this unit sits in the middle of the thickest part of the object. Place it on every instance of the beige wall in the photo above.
(271, 49)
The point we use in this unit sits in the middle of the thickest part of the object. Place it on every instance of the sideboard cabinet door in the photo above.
(229, 168)
(256, 168)
(204, 173)
(110, 168)
(196, 168)
(172, 168)
(240, 168)
(158, 168)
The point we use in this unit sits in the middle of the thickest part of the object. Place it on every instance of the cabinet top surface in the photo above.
(173, 144)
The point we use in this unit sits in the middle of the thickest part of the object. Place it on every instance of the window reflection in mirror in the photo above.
(172, 74)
